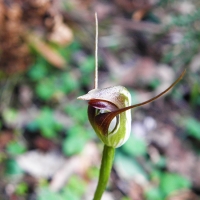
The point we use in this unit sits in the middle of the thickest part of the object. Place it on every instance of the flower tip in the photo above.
(90, 95)
(80, 97)
(84, 97)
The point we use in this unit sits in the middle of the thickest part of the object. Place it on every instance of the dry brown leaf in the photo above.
(139, 14)
(46, 51)
(61, 33)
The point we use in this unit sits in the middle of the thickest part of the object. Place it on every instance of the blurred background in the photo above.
(48, 150)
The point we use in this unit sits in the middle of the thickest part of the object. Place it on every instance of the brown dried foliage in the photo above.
(19, 18)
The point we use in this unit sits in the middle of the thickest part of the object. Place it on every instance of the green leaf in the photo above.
(45, 89)
(93, 172)
(195, 94)
(75, 188)
(154, 83)
(128, 168)
(38, 70)
(46, 123)
(81, 115)
(77, 185)
(48, 132)
(88, 65)
(12, 168)
(154, 194)
(10, 115)
(68, 83)
(75, 46)
(155, 175)
(161, 162)
(15, 148)
(171, 182)
(193, 127)
(74, 144)
(69, 194)
(77, 130)
(21, 188)
(33, 126)
(135, 146)
(45, 193)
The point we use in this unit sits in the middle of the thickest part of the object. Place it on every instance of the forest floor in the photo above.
(48, 150)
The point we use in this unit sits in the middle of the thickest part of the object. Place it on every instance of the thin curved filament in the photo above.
(109, 116)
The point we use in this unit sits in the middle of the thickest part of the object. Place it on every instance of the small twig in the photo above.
(96, 54)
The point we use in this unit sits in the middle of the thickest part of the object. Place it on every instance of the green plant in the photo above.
(168, 184)
(75, 141)
(73, 190)
(192, 126)
(15, 148)
(110, 116)
(46, 123)
(21, 189)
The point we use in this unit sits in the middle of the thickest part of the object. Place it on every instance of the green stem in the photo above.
(106, 166)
